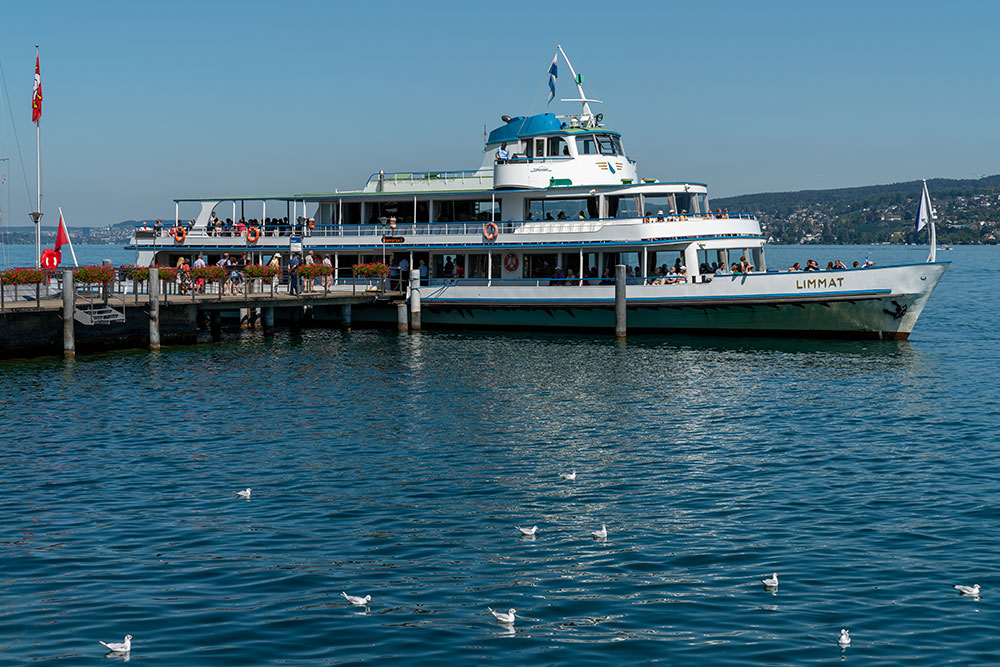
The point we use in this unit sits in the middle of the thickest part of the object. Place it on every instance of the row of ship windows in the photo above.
(535, 209)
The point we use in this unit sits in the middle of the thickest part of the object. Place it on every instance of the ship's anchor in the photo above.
(900, 310)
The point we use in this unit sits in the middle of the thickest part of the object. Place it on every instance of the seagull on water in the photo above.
(967, 590)
(354, 599)
(600, 534)
(771, 582)
(119, 647)
(507, 618)
(244, 494)
(845, 637)
(568, 476)
(528, 532)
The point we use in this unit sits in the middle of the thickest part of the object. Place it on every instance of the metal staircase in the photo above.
(92, 314)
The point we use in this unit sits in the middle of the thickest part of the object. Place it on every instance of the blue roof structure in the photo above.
(529, 126)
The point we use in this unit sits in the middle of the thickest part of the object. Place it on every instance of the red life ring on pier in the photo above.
(510, 262)
(253, 234)
(50, 258)
(180, 234)
(491, 231)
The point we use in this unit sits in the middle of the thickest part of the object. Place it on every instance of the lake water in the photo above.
(864, 473)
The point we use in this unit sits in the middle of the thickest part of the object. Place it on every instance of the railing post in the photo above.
(69, 308)
(620, 310)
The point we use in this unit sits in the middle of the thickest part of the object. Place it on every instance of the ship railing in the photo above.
(551, 282)
(483, 178)
(425, 228)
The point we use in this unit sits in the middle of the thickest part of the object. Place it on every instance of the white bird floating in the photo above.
(967, 590)
(244, 494)
(119, 647)
(600, 534)
(845, 637)
(528, 532)
(771, 582)
(568, 476)
(354, 599)
(507, 618)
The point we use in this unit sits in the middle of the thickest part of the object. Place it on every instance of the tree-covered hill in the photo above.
(968, 212)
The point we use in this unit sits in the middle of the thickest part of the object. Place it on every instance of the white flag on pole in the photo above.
(925, 212)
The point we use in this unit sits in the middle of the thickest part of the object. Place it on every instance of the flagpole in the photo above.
(62, 222)
(37, 214)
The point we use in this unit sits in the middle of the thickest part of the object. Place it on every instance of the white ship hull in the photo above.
(880, 302)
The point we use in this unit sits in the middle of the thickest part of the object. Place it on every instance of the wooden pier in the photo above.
(145, 320)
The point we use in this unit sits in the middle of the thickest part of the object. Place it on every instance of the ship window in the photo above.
(702, 200)
(585, 145)
(540, 266)
(557, 147)
(623, 207)
(465, 211)
(606, 146)
(685, 203)
(657, 203)
(562, 209)
(352, 213)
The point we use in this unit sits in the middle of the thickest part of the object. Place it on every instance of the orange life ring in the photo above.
(180, 234)
(510, 262)
(253, 234)
(491, 231)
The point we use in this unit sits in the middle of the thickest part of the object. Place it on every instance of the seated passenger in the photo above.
(561, 216)
(671, 277)
(721, 269)
(659, 216)
(812, 265)
(557, 276)
(795, 267)
(606, 277)
(855, 265)
(682, 275)
(829, 266)
(839, 265)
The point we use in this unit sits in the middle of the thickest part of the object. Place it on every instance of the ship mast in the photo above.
(587, 116)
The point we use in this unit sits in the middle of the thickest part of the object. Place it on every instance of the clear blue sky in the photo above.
(145, 102)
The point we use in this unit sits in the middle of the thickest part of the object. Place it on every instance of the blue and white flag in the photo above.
(925, 212)
(553, 73)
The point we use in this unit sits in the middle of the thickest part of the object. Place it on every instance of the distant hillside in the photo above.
(968, 212)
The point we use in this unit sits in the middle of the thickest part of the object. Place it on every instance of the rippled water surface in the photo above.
(864, 473)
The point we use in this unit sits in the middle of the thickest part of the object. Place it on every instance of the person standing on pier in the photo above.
(293, 274)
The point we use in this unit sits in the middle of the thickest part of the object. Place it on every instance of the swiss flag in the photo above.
(62, 238)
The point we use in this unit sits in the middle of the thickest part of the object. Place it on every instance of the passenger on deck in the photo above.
(682, 275)
(502, 153)
(812, 265)
(855, 265)
(606, 277)
(829, 266)
(557, 276)
(868, 263)
(570, 277)
(839, 265)
(795, 267)
(561, 216)
(721, 269)
(328, 279)
(422, 267)
(659, 216)
(449, 268)
(745, 266)
(548, 216)
(671, 277)
(581, 216)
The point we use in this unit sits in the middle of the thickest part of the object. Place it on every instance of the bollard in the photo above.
(402, 317)
(415, 300)
(154, 308)
(620, 312)
(69, 308)
(345, 316)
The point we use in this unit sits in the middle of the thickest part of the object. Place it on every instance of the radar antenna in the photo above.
(587, 116)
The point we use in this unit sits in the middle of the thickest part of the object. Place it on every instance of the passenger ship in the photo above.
(531, 241)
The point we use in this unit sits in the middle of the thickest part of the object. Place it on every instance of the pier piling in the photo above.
(402, 316)
(215, 324)
(267, 321)
(154, 308)
(415, 299)
(345, 316)
(69, 308)
(620, 312)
